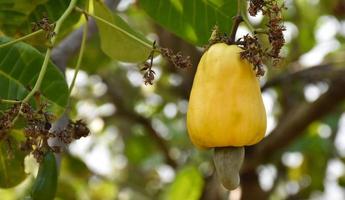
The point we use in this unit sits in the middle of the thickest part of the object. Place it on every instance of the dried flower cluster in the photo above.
(176, 59)
(73, 131)
(275, 27)
(37, 129)
(255, 6)
(45, 25)
(253, 52)
(6, 120)
(273, 11)
(149, 74)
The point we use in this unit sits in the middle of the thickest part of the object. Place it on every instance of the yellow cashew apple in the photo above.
(225, 106)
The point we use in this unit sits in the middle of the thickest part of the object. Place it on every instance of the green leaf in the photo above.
(16, 18)
(11, 164)
(118, 40)
(94, 60)
(21, 6)
(20, 65)
(188, 185)
(192, 20)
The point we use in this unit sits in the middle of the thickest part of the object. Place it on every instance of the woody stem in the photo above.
(237, 20)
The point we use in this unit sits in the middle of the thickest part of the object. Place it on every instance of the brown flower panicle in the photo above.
(149, 74)
(6, 120)
(73, 131)
(275, 28)
(273, 11)
(176, 59)
(253, 52)
(45, 25)
(255, 6)
(37, 129)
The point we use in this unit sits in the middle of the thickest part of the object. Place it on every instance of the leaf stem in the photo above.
(67, 12)
(21, 38)
(9, 101)
(260, 31)
(40, 76)
(113, 26)
(81, 53)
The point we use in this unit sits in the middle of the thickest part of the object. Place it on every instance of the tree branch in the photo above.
(293, 125)
(312, 74)
(130, 114)
(251, 188)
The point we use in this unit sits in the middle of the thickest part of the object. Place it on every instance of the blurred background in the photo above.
(139, 148)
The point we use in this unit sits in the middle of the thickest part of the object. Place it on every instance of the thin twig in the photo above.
(124, 111)
(236, 22)
(312, 74)
(295, 122)
(9, 101)
(81, 53)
